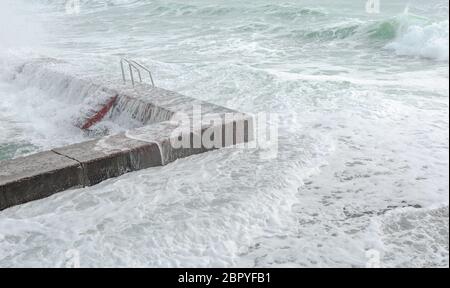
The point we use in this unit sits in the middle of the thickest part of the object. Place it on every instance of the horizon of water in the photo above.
(363, 163)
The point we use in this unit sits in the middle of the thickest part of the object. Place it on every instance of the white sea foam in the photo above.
(410, 237)
(18, 28)
(429, 41)
(34, 118)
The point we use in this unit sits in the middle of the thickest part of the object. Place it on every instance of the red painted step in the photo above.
(97, 117)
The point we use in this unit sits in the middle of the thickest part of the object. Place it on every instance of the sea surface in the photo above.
(362, 173)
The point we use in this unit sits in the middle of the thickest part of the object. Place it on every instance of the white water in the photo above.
(363, 162)
(430, 41)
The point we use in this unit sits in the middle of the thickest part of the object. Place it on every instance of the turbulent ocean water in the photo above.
(362, 174)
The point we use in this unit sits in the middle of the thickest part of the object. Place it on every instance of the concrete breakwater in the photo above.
(172, 126)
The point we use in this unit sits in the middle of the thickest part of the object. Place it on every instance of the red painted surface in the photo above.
(100, 114)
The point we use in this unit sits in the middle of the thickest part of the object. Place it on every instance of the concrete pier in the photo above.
(85, 164)
(37, 176)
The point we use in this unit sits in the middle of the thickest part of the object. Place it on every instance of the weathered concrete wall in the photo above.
(111, 156)
(37, 176)
(89, 163)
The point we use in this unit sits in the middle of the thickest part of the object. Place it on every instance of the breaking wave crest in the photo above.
(406, 35)
(428, 41)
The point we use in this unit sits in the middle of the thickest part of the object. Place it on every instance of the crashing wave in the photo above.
(428, 41)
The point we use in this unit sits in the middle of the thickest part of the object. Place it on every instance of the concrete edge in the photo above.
(85, 164)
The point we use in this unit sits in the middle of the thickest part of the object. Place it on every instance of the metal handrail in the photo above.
(147, 70)
(136, 66)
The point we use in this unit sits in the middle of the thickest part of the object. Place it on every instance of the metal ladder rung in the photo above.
(136, 66)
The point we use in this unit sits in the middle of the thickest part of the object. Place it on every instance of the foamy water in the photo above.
(362, 171)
